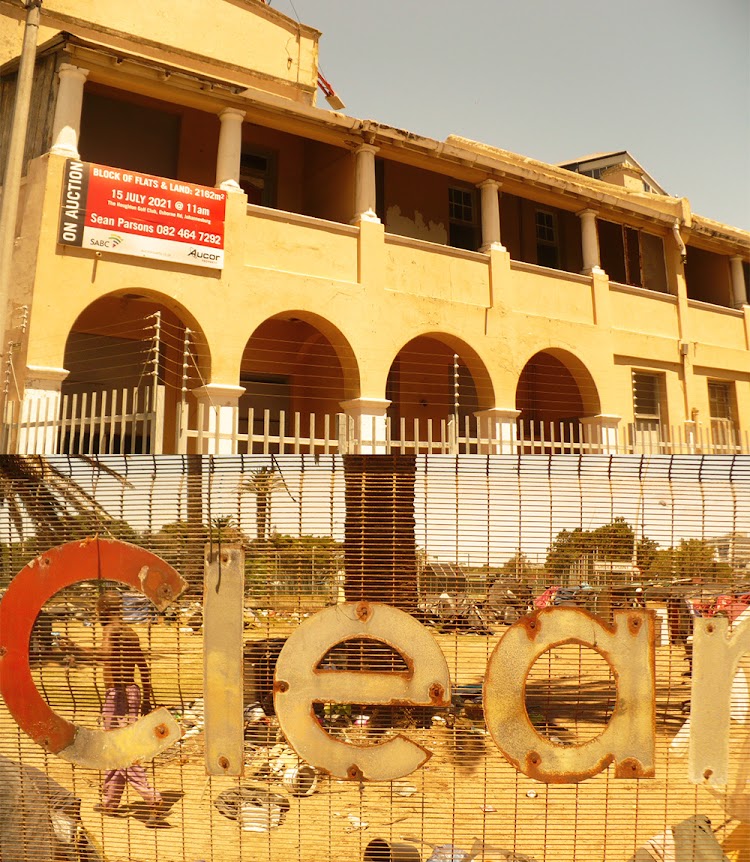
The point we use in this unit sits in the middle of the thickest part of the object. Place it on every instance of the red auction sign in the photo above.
(122, 212)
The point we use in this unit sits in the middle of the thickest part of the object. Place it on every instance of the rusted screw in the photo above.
(225, 558)
(708, 773)
(363, 611)
(710, 628)
(161, 731)
(635, 622)
(223, 762)
(535, 759)
(354, 771)
(532, 624)
(3, 650)
(436, 691)
(281, 685)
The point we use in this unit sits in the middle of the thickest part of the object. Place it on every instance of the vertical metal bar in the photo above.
(266, 430)
(123, 419)
(222, 658)
(157, 419)
(250, 430)
(82, 421)
(92, 423)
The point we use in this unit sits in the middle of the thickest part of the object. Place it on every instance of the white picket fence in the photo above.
(283, 433)
(132, 421)
(110, 422)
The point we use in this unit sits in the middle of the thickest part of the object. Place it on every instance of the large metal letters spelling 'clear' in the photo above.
(304, 679)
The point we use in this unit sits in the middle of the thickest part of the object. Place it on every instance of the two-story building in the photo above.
(348, 286)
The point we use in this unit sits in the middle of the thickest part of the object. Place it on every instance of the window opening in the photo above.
(258, 177)
(463, 216)
(649, 413)
(547, 244)
(721, 410)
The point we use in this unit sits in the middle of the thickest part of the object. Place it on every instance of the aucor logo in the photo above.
(203, 255)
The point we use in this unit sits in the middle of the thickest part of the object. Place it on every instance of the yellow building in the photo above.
(352, 286)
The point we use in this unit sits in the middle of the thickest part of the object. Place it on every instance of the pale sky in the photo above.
(668, 80)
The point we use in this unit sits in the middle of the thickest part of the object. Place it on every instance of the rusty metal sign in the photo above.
(35, 584)
(628, 738)
(716, 677)
(222, 659)
(300, 683)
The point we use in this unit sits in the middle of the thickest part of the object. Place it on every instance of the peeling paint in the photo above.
(416, 228)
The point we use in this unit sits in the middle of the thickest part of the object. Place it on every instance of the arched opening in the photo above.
(296, 371)
(555, 392)
(435, 385)
(131, 361)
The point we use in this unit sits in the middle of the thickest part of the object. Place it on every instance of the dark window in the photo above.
(258, 176)
(547, 243)
(463, 218)
(631, 256)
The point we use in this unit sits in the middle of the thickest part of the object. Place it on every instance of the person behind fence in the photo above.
(120, 653)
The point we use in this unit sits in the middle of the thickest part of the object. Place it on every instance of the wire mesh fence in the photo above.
(466, 553)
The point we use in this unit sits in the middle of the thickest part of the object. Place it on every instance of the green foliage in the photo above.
(293, 563)
(612, 541)
(46, 507)
(692, 558)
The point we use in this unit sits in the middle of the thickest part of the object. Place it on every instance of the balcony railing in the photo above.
(132, 422)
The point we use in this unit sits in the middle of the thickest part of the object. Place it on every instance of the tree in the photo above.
(691, 559)
(296, 563)
(262, 483)
(48, 507)
(613, 541)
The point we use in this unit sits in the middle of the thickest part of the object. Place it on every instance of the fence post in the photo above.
(158, 410)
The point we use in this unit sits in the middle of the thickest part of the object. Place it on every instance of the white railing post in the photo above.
(601, 433)
(368, 424)
(41, 398)
(497, 431)
(221, 404)
(158, 412)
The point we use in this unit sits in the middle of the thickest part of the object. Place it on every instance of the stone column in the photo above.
(39, 411)
(498, 432)
(589, 242)
(364, 184)
(490, 216)
(600, 433)
(66, 125)
(217, 415)
(230, 150)
(365, 426)
(739, 288)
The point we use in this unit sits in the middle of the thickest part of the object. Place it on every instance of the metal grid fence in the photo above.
(469, 548)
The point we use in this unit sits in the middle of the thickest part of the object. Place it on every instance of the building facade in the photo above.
(377, 290)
